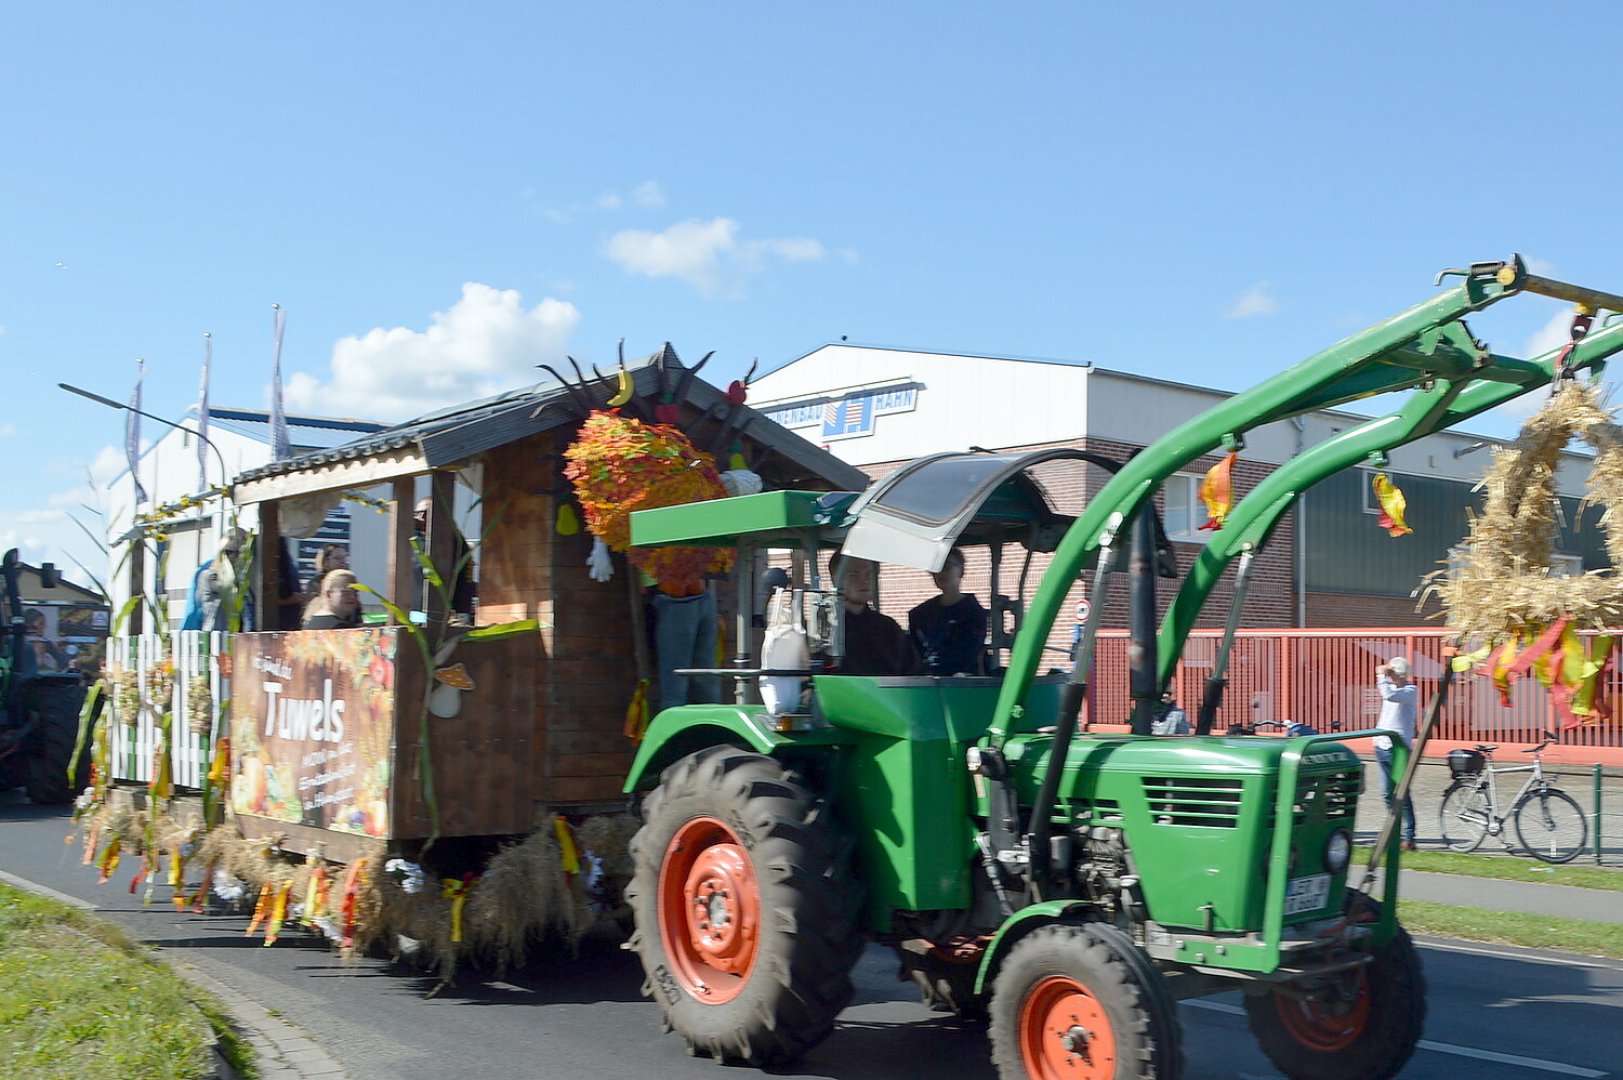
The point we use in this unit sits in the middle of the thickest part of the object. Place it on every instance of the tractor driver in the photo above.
(874, 643)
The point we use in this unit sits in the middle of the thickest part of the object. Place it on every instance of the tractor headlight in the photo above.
(1338, 851)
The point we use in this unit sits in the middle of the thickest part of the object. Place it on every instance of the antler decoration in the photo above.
(737, 394)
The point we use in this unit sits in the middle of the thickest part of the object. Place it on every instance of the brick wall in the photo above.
(1331, 610)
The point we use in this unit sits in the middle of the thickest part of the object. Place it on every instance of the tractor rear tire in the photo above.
(57, 710)
(1080, 1001)
(745, 908)
(1369, 1034)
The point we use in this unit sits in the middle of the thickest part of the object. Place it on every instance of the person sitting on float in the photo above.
(337, 606)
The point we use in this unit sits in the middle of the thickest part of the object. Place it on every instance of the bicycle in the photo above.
(1549, 823)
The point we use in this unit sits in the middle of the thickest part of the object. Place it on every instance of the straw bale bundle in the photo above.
(1501, 587)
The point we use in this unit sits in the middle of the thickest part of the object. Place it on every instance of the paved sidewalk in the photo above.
(1565, 901)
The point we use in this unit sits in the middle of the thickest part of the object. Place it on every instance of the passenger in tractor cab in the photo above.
(950, 630)
(874, 643)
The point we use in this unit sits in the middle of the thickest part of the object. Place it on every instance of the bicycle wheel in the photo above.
(1463, 820)
(1551, 826)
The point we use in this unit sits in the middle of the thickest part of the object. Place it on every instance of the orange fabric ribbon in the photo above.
(352, 885)
(1393, 504)
(278, 914)
(109, 860)
(637, 712)
(1217, 492)
(261, 909)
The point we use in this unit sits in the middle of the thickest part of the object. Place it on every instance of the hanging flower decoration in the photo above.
(199, 704)
(619, 465)
(126, 694)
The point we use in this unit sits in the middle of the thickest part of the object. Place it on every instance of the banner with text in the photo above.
(312, 727)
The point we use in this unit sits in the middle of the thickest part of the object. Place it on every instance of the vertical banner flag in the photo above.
(278, 419)
(132, 433)
(203, 415)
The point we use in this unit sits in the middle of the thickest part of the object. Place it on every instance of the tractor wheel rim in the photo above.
(1322, 1027)
(1066, 1033)
(709, 910)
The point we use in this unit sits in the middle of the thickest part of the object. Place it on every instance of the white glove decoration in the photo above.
(598, 563)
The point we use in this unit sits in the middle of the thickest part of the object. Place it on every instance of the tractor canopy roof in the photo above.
(911, 517)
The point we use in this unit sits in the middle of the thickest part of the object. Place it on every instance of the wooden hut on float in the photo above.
(334, 745)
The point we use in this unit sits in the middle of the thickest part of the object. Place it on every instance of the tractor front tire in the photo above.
(745, 908)
(1362, 1025)
(56, 708)
(1081, 1002)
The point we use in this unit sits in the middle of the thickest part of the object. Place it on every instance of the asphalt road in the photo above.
(1495, 1013)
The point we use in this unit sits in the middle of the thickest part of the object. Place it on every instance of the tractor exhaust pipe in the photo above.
(1142, 654)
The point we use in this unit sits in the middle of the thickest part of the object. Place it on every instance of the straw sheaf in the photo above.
(1501, 586)
(522, 900)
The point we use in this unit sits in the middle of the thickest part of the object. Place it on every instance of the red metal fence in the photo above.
(1319, 677)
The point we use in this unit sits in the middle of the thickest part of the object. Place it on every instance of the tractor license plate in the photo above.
(1307, 894)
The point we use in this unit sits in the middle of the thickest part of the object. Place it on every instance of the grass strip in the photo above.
(78, 998)
(1509, 868)
(1512, 928)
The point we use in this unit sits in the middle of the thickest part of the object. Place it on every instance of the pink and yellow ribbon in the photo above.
(1393, 505)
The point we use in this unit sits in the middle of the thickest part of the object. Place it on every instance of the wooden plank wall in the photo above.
(586, 671)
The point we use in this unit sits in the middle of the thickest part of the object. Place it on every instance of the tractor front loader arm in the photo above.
(1447, 403)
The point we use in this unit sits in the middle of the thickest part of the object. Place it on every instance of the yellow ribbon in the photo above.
(569, 855)
(456, 890)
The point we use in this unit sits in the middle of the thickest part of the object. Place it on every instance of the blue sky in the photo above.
(441, 198)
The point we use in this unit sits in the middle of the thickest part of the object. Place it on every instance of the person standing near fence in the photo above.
(1400, 701)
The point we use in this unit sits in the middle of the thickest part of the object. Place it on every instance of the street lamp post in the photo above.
(225, 475)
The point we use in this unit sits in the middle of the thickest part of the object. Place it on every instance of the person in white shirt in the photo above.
(1400, 700)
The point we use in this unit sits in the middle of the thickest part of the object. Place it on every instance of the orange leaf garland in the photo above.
(619, 465)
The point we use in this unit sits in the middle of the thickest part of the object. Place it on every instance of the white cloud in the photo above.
(1540, 267)
(706, 254)
(1552, 335)
(1254, 302)
(7, 430)
(648, 194)
(486, 343)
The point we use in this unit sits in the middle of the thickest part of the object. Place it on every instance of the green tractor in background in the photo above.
(1068, 888)
(39, 711)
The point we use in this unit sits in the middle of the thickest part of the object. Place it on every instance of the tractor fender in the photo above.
(686, 729)
(1020, 924)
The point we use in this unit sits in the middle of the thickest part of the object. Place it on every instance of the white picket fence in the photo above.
(135, 745)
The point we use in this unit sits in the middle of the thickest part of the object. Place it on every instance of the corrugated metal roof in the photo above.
(458, 433)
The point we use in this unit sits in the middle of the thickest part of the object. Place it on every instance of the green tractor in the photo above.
(1068, 888)
(39, 711)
